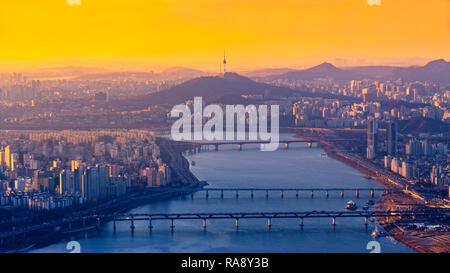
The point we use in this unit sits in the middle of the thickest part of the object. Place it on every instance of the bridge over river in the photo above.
(73, 224)
(300, 215)
(282, 191)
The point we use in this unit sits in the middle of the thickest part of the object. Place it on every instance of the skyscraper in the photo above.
(8, 156)
(75, 164)
(78, 180)
(392, 138)
(64, 182)
(372, 136)
(92, 183)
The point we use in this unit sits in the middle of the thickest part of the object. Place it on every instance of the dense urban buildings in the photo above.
(49, 170)
(75, 145)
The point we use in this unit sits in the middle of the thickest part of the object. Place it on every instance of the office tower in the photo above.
(64, 182)
(14, 160)
(8, 156)
(2, 158)
(392, 138)
(151, 177)
(103, 175)
(427, 149)
(75, 164)
(92, 183)
(78, 180)
(372, 136)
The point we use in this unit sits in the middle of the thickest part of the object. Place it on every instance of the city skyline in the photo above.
(306, 125)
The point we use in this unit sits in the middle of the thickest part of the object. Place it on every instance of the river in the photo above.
(298, 166)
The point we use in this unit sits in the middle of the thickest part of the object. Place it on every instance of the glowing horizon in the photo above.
(193, 33)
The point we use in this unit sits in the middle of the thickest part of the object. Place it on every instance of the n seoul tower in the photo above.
(224, 63)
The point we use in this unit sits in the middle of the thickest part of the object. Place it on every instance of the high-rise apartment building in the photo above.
(392, 138)
(372, 137)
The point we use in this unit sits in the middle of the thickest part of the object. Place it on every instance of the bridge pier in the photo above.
(267, 194)
(326, 194)
(132, 223)
(114, 224)
(216, 147)
(296, 194)
(221, 194)
(269, 225)
(286, 145)
(342, 194)
(365, 221)
(282, 194)
(312, 194)
(357, 193)
(240, 147)
(207, 195)
(204, 223)
(237, 194)
(301, 222)
(251, 194)
(236, 225)
(150, 226)
(372, 193)
(333, 223)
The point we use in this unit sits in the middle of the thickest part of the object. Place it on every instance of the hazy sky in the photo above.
(194, 33)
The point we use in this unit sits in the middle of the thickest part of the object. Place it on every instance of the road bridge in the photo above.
(300, 215)
(282, 191)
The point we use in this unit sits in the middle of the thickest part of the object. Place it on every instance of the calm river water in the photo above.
(298, 166)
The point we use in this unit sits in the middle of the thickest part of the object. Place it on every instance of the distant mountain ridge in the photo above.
(324, 70)
(434, 71)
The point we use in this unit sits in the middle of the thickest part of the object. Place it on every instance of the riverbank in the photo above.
(59, 228)
(423, 241)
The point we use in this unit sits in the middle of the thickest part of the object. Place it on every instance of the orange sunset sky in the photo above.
(137, 34)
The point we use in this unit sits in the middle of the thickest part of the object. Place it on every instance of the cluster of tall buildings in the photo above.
(420, 159)
(157, 176)
(56, 169)
(7, 158)
(373, 140)
(405, 168)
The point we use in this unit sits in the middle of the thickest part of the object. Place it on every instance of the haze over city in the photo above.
(143, 126)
